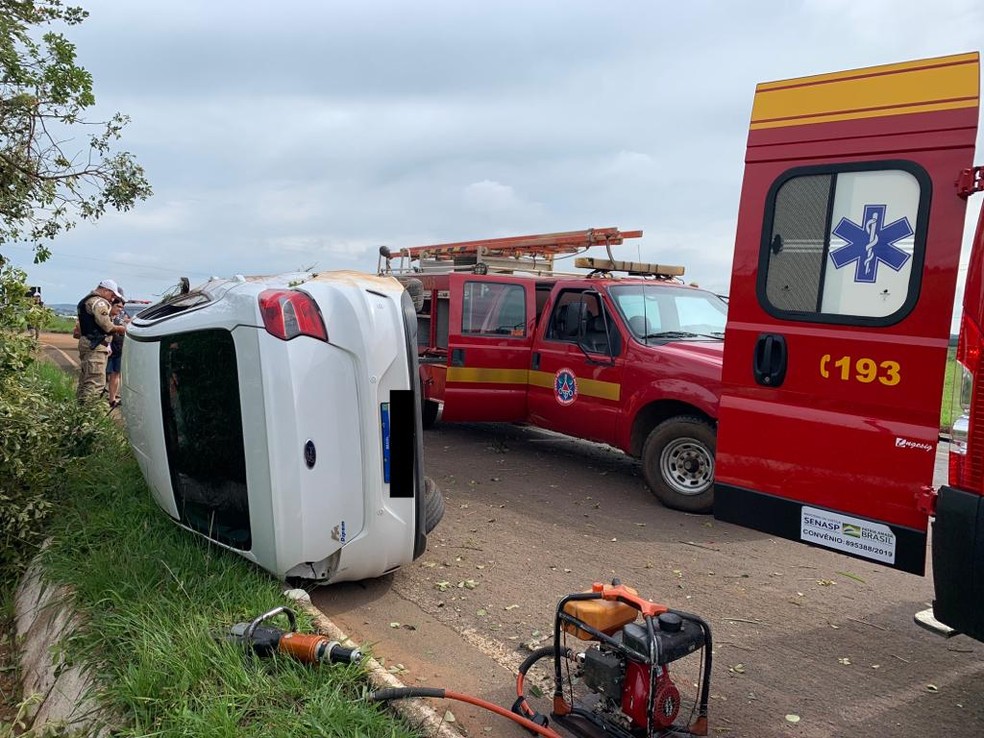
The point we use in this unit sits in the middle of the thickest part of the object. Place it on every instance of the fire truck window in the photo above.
(493, 309)
(841, 245)
(698, 314)
(569, 313)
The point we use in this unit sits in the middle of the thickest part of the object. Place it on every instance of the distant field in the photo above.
(946, 412)
(60, 324)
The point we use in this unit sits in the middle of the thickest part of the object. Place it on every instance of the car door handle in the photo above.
(536, 360)
(769, 360)
(457, 357)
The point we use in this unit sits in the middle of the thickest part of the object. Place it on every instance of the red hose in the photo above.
(478, 702)
(401, 693)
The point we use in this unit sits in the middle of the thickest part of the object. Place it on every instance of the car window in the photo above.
(203, 432)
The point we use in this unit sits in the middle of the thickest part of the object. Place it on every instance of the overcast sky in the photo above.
(294, 134)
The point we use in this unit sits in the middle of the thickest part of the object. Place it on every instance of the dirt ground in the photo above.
(532, 516)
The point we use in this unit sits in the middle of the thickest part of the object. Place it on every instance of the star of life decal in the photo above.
(870, 243)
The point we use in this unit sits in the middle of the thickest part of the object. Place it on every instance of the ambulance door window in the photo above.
(845, 245)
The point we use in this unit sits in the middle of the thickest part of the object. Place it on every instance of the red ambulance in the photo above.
(846, 261)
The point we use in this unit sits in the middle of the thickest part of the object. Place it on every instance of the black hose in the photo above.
(540, 653)
(521, 706)
(402, 693)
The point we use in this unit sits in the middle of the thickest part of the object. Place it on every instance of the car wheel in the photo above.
(433, 505)
(429, 412)
(678, 464)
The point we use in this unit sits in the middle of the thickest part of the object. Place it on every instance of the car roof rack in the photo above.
(533, 253)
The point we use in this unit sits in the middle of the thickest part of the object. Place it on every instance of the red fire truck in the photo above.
(626, 354)
(846, 261)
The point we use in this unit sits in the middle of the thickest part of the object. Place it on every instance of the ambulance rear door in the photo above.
(846, 261)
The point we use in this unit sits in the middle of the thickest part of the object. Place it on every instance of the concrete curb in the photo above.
(63, 696)
(415, 711)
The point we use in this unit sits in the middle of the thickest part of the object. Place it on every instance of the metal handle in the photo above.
(291, 618)
(769, 360)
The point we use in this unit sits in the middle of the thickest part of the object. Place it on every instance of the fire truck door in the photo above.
(846, 254)
(576, 369)
(490, 334)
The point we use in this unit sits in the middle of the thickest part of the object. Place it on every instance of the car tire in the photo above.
(433, 505)
(678, 463)
(429, 412)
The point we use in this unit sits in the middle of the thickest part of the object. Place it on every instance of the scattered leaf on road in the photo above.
(932, 688)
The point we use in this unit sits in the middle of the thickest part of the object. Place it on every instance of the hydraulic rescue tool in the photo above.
(308, 648)
(623, 667)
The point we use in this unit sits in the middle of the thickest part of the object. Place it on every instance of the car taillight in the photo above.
(967, 430)
(291, 313)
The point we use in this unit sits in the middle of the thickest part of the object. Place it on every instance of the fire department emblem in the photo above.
(871, 243)
(565, 386)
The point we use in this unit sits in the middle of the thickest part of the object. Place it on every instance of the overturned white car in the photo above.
(280, 417)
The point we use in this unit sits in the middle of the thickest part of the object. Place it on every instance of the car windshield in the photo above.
(655, 312)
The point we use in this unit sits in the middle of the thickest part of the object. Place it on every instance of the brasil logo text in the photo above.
(871, 243)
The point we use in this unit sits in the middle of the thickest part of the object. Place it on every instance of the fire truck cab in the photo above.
(626, 354)
(846, 261)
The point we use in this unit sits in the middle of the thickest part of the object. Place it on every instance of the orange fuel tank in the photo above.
(608, 616)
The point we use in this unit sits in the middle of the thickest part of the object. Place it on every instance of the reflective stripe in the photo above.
(587, 387)
(480, 375)
(945, 83)
(486, 375)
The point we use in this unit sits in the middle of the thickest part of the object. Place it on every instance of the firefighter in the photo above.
(95, 329)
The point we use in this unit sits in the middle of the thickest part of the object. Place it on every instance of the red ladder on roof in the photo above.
(545, 244)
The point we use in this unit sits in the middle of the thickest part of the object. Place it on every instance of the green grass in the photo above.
(59, 324)
(57, 384)
(156, 596)
(952, 376)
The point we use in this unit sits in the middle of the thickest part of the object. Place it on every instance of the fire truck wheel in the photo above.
(429, 412)
(678, 463)
(433, 505)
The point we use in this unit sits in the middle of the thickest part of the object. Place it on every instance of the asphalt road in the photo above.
(532, 516)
